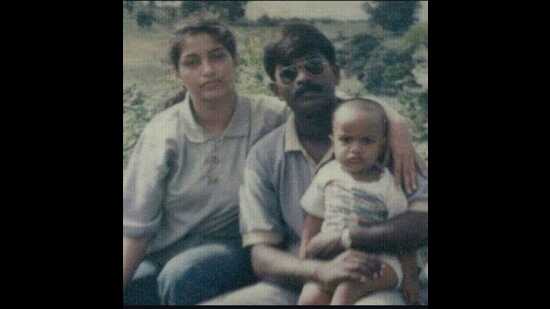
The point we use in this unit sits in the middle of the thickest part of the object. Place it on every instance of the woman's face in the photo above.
(206, 68)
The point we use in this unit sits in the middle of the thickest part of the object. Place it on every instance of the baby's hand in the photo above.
(411, 290)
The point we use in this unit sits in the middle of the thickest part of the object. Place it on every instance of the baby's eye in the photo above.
(366, 141)
(217, 56)
(345, 139)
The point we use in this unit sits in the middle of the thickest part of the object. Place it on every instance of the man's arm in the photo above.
(312, 227)
(273, 264)
(133, 251)
(403, 233)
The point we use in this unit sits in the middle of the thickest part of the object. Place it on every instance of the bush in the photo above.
(266, 21)
(395, 16)
(417, 35)
(144, 19)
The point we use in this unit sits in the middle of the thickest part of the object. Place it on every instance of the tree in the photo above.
(191, 7)
(230, 10)
(129, 5)
(395, 16)
(144, 19)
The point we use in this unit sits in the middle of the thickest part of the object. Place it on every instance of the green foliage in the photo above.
(129, 6)
(266, 21)
(190, 7)
(395, 16)
(355, 52)
(229, 10)
(144, 19)
(416, 105)
(417, 35)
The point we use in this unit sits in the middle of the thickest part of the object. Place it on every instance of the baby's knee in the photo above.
(312, 295)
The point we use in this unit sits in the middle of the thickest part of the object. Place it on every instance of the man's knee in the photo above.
(383, 298)
(261, 293)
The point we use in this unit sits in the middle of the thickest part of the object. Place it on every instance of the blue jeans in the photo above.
(196, 274)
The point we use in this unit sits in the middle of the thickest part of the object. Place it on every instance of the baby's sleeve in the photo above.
(313, 201)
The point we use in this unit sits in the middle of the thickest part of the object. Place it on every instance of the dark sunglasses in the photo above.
(313, 65)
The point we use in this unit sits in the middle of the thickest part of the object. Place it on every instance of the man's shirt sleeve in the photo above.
(260, 211)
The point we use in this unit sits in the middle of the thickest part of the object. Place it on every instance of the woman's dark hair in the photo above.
(297, 40)
(216, 30)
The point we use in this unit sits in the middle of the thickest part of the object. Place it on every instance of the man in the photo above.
(280, 168)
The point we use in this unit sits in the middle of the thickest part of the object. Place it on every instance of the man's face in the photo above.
(307, 85)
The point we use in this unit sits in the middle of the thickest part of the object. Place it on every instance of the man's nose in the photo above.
(303, 75)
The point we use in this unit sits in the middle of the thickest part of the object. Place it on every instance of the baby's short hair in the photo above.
(370, 106)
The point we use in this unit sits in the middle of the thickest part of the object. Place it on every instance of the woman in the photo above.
(180, 192)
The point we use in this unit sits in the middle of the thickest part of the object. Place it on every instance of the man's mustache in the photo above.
(308, 87)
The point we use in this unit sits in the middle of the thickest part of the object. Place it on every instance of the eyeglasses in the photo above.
(313, 65)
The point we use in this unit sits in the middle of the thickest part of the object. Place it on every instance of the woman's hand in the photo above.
(404, 156)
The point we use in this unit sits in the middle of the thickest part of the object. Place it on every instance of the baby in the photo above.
(356, 188)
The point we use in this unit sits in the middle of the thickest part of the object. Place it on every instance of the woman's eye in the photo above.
(218, 56)
(190, 63)
(367, 141)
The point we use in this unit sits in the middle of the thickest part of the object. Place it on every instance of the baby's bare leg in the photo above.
(312, 294)
(349, 292)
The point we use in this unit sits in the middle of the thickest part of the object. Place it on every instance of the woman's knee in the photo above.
(203, 272)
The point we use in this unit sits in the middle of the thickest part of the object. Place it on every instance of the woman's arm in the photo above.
(402, 149)
(133, 251)
(312, 227)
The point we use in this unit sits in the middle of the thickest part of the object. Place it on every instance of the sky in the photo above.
(343, 10)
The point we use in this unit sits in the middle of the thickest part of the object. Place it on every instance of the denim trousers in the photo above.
(198, 272)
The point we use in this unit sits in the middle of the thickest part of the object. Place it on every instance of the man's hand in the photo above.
(325, 246)
(349, 266)
(404, 156)
(411, 290)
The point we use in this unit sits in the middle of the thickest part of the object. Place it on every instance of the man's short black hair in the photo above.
(297, 40)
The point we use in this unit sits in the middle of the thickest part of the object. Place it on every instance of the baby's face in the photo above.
(358, 140)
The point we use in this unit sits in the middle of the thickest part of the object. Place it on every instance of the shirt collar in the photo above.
(238, 126)
(292, 143)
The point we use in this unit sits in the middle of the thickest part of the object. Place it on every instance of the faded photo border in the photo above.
(383, 60)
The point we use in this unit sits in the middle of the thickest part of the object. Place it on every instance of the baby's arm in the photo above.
(410, 285)
(312, 227)
(312, 293)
